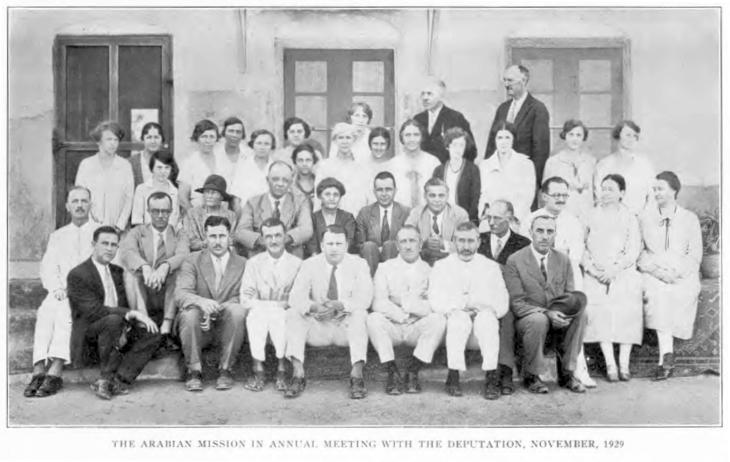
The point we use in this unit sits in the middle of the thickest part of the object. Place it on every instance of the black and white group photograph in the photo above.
(377, 219)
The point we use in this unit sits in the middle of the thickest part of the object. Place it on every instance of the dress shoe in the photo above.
(357, 388)
(50, 386)
(255, 383)
(453, 388)
(393, 384)
(535, 385)
(506, 381)
(296, 387)
(624, 376)
(224, 381)
(194, 381)
(572, 384)
(103, 389)
(492, 389)
(664, 371)
(413, 384)
(119, 387)
(35, 383)
(280, 381)
(611, 374)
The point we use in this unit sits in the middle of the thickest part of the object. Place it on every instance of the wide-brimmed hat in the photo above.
(330, 182)
(570, 303)
(216, 183)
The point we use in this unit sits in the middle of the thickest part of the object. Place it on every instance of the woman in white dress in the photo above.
(575, 164)
(412, 168)
(296, 132)
(670, 265)
(164, 179)
(346, 169)
(232, 148)
(252, 172)
(636, 169)
(109, 178)
(379, 160)
(153, 138)
(611, 283)
(198, 165)
(359, 116)
(507, 174)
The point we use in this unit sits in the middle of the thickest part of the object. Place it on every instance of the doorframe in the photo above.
(60, 144)
(622, 43)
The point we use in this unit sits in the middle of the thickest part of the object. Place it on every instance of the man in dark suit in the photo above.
(530, 118)
(125, 340)
(437, 118)
(153, 253)
(498, 244)
(208, 295)
(379, 223)
(535, 277)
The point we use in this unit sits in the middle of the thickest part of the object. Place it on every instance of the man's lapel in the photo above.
(286, 207)
(375, 220)
(439, 122)
(523, 110)
(207, 271)
(148, 245)
(553, 268)
(533, 268)
(229, 275)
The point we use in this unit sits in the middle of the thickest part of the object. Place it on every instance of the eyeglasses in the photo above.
(558, 196)
(163, 212)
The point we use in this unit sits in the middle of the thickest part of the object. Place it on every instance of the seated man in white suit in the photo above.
(402, 313)
(265, 287)
(328, 306)
(469, 290)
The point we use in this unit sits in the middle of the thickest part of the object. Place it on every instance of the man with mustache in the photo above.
(468, 289)
(530, 117)
(537, 277)
(67, 247)
(207, 294)
(569, 240)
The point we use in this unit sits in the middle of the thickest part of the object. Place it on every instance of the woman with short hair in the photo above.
(252, 172)
(329, 192)
(670, 265)
(109, 177)
(164, 179)
(460, 174)
(305, 159)
(231, 149)
(412, 167)
(296, 132)
(200, 164)
(153, 138)
(359, 116)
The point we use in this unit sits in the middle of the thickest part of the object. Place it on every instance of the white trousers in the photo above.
(302, 330)
(462, 333)
(52, 337)
(263, 322)
(425, 334)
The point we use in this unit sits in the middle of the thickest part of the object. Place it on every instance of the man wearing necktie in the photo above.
(530, 117)
(328, 306)
(152, 253)
(265, 288)
(208, 296)
(124, 339)
(536, 276)
(436, 221)
(379, 223)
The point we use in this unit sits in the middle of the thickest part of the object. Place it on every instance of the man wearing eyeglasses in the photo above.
(569, 239)
(152, 253)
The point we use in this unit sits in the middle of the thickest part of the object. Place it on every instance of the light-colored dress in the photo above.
(614, 311)
(514, 180)
(638, 172)
(250, 179)
(674, 244)
(578, 172)
(194, 170)
(226, 167)
(360, 148)
(411, 173)
(112, 189)
(140, 215)
(351, 175)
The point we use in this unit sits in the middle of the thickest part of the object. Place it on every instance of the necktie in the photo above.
(435, 226)
(384, 228)
(415, 193)
(161, 252)
(512, 112)
(277, 212)
(497, 248)
(218, 265)
(110, 292)
(542, 268)
(666, 222)
(332, 289)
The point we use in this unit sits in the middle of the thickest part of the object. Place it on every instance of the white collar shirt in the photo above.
(498, 242)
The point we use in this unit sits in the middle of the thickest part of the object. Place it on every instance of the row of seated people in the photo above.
(331, 292)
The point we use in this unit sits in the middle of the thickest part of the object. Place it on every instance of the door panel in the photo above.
(87, 90)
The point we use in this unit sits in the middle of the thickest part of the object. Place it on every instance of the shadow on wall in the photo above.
(29, 226)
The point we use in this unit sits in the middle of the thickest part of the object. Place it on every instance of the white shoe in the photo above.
(582, 375)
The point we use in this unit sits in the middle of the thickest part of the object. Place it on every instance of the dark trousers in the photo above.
(158, 301)
(535, 329)
(227, 330)
(507, 340)
(117, 357)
